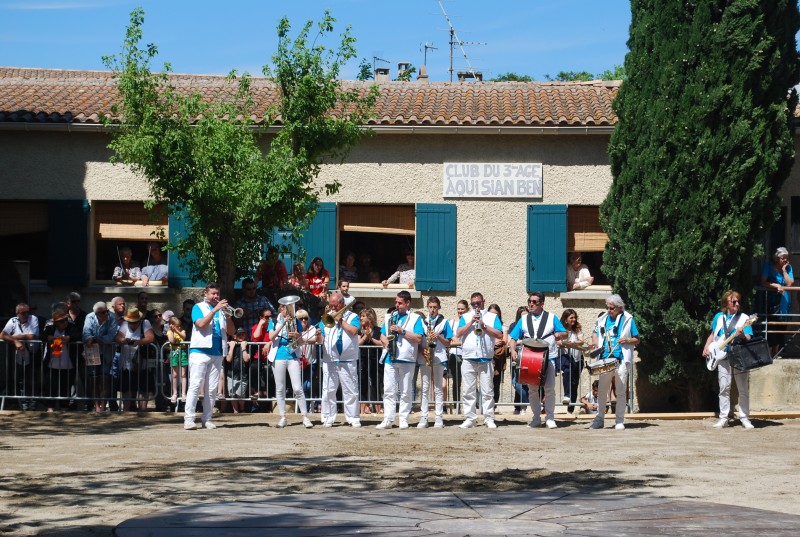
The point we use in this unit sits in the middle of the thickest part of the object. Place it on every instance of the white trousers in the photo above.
(620, 376)
(280, 367)
(549, 394)
(742, 379)
(438, 392)
(471, 373)
(398, 375)
(333, 375)
(204, 371)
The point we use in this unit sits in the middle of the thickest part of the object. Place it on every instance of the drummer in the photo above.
(544, 326)
(616, 332)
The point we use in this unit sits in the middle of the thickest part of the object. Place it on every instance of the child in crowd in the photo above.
(178, 357)
(238, 360)
(589, 401)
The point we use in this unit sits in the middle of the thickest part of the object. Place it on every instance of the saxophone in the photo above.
(431, 337)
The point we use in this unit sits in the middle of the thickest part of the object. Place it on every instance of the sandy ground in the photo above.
(75, 474)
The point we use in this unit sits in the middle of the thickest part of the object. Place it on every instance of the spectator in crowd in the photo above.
(365, 265)
(571, 363)
(251, 303)
(58, 335)
(521, 401)
(259, 379)
(238, 360)
(370, 371)
(99, 333)
(589, 401)
(186, 317)
(776, 275)
(19, 331)
(344, 288)
(128, 271)
(135, 379)
(298, 277)
(77, 315)
(374, 277)
(178, 357)
(306, 351)
(405, 272)
(272, 271)
(318, 278)
(348, 270)
(500, 354)
(578, 276)
(455, 356)
(155, 272)
(118, 308)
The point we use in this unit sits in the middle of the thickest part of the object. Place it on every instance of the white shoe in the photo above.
(403, 424)
(281, 423)
(490, 424)
(355, 424)
(721, 423)
(467, 424)
(438, 424)
(385, 424)
(746, 423)
(565, 401)
(307, 423)
(423, 424)
(327, 423)
(619, 426)
(209, 425)
(551, 424)
(534, 423)
(190, 426)
(597, 423)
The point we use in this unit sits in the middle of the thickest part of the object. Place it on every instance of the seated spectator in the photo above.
(155, 272)
(318, 278)
(348, 270)
(251, 304)
(128, 271)
(298, 277)
(365, 265)
(99, 332)
(589, 401)
(58, 334)
(272, 271)
(405, 272)
(578, 276)
(18, 331)
(374, 277)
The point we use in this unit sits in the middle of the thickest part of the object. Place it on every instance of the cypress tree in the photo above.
(703, 144)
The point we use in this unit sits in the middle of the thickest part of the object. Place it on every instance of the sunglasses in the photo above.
(534, 302)
(735, 302)
(476, 304)
(611, 308)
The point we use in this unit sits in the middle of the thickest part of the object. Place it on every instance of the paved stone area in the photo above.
(460, 514)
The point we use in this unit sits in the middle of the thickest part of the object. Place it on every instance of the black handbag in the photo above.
(750, 354)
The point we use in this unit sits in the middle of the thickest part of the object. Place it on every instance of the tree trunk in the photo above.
(226, 268)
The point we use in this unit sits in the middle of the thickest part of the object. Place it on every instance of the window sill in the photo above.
(113, 289)
(593, 292)
(377, 291)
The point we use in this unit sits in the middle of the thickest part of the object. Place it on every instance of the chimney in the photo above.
(464, 75)
(402, 67)
(423, 74)
(381, 74)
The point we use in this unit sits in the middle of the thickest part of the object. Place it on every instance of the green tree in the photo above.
(617, 73)
(406, 74)
(512, 77)
(203, 159)
(703, 144)
(571, 76)
(364, 70)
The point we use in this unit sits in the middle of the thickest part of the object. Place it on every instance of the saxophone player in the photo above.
(433, 364)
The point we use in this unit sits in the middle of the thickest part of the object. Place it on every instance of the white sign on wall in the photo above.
(492, 180)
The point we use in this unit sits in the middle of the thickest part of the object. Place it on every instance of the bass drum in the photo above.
(533, 365)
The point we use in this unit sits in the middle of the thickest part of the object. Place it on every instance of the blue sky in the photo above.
(534, 37)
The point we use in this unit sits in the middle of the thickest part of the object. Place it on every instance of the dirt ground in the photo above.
(73, 474)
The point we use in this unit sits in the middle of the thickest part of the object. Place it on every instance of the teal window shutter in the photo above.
(547, 248)
(319, 240)
(68, 242)
(435, 257)
(178, 273)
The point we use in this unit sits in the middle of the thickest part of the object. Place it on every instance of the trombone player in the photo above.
(339, 335)
(433, 363)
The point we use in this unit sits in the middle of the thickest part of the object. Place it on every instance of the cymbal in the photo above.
(534, 343)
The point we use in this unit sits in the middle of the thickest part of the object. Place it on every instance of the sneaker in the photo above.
(490, 424)
(307, 423)
(467, 424)
(523, 412)
(721, 423)
(327, 423)
(746, 423)
(438, 424)
(565, 401)
(423, 424)
(190, 426)
(534, 423)
(403, 424)
(551, 424)
(516, 412)
(619, 427)
(209, 425)
(281, 423)
(385, 424)
(355, 424)
(597, 423)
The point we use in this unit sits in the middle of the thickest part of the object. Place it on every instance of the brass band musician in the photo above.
(433, 362)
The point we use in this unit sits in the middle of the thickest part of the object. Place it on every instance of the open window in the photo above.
(586, 236)
(23, 229)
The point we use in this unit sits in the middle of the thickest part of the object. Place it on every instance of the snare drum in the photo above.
(602, 366)
(533, 365)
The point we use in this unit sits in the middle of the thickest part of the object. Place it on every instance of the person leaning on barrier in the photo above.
(616, 332)
(370, 370)
(18, 331)
(117, 314)
(60, 334)
(154, 272)
(135, 378)
(99, 332)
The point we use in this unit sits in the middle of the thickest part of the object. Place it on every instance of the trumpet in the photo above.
(329, 319)
(236, 313)
(477, 324)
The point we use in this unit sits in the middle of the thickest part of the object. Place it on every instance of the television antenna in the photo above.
(427, 46)
(375, 60)
(454, 40)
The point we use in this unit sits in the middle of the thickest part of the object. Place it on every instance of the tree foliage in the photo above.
(365, 71)
(203, 159)
(406, 74)
(617, 73)
(512, 77)
(703, 144)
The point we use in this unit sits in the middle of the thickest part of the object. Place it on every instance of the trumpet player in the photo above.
(433, 362)
(340, 361)
(402, 334)
(212, 327)
(545, 326)
(477, 331)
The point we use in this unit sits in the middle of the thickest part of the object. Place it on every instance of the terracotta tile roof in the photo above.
(80, 97)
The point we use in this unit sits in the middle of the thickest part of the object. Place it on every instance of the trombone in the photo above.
(329, 319)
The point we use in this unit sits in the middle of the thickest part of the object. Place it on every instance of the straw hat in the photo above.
(133, 315)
